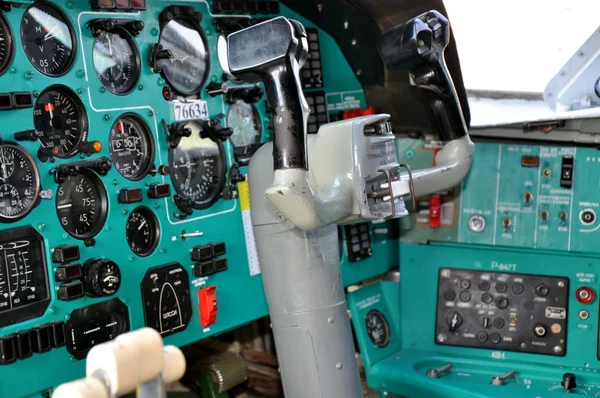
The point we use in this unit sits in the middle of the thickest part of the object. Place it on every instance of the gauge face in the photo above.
(116, 61)
(47, 39)
(7, 49)
(19, 182)
(81, 205)
(197, 168)
(166, 298)
(378, 328)
(142, 231)
(188, 67)
(60, 121)
(131, 147)
(243, 119)
(23, 275)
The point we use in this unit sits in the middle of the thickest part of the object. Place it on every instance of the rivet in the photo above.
(338, 365)
(80, 73)
(330, 319)
(107, 117)
(28, 75)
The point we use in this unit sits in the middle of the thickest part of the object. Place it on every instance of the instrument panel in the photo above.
(122, 192)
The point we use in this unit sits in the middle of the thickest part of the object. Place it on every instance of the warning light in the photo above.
(167, 93)
(138, 4)
(103, 4)
(123, 4)
(97, 146)
(22, 100)
(5, 102)
(530, 161)
(55, 151)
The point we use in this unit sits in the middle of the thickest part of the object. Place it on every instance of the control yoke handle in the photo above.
(274, 51)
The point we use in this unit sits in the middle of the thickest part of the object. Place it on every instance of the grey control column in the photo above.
(300, 269)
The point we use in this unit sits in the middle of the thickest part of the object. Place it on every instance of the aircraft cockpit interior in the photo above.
(299, 198)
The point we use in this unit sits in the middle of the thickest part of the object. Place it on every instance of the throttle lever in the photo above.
(418, 47)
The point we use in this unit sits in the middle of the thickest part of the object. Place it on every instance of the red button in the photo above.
(585, 295)
(207, 305)
(435, 209)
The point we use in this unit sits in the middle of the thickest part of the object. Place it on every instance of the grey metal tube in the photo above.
(305, 294)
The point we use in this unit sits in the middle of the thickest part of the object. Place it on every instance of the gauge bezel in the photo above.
(125, 35)
(103, 208)
(189, 23)
(222, 172)
(151, 217)
(37, 308)
(84, 120)
(386, 326)
(38, 186)
(11, 44)
(136, 119)
(67, 21)
(245, 152)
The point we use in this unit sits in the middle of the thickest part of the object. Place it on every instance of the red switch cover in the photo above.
(435, 209)
(208, 306)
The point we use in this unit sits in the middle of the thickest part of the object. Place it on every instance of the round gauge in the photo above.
(48, 39)
(117, 61)
(60, 121)
(7, 47)
(19, 182)
(142, 231)
(82, 205)
(243, 119)
(197, 167)
(378, 328)
(187, 69)
(131, 147)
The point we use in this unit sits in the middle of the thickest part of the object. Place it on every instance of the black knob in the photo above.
(454, 320)
(568, 382)
(102, 277)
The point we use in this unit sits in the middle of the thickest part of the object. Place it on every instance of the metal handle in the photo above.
(418, 47)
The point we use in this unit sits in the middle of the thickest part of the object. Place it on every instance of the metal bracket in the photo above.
(387, 170)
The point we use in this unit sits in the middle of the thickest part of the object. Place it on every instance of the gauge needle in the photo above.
(64, 206)
(50, 34)
(4, 172)
(109, 46)
(142, 225)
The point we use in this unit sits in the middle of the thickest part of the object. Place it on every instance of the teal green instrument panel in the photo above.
(410, 308)
(506, 201)
(524, 209)
(238, 288)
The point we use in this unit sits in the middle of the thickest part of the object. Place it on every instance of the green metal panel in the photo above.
(240, 295)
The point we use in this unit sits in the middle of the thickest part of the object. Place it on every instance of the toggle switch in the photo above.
(568, 382)
(499, 380)
(207, 299)
(436, 373)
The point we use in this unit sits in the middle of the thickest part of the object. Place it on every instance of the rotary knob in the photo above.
(102, 277)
